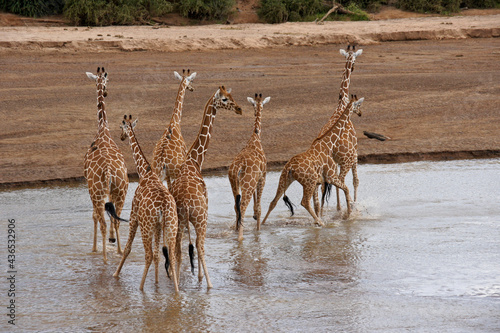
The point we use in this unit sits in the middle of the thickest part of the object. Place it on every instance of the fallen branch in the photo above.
(377, 136)
(336, 8)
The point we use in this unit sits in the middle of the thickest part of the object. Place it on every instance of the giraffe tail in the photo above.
(191, 249)
(288, 203)
(238, 211)
(327, 191)
(110, 209)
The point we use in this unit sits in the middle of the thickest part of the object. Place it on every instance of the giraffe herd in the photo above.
(166, 212)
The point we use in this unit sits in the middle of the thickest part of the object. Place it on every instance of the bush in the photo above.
(33, 8)
(105, 12)
(278, 11)
(273, 11)
(205, 9)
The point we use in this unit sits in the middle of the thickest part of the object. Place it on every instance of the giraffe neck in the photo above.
(175, 121)
(102, 117)
(330, 138)
(343, 96)
(199, 148)
(257, 128)
(141, 162)
(345, 83)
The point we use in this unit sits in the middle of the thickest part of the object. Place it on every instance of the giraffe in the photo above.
(247, 173)
(170, 151)
(153, 209)
(189, 189)
(314, 167)
(105, 170)
(346, 156)
(350, 163)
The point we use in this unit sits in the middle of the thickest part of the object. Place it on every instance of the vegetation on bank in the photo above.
(126, 12)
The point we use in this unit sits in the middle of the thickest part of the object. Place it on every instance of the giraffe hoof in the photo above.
(112, 240)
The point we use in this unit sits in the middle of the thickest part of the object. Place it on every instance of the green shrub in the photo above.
(205, 9)
(273, 11)
(278, 11)
(33, 8)
(105, 12)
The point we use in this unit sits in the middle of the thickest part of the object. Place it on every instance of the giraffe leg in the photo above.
(133, 229)
(284, 183)
(233, 180)
(156, 250)
(308, 191)
(178, 242)
(170, 232)
(355, 180)
(245, 201)
(200, 247)
(317, 209)
(119, 202)
(99, 216)
(257, 199)
(148, 250)
(339, 183)
(96, 222)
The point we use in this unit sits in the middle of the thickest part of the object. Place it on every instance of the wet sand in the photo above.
(435, 96)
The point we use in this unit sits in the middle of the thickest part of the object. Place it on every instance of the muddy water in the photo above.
(421, 252)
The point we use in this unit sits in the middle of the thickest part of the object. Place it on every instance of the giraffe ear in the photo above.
(228, 90)
(91, 76)
(178, 76)
(192, 76)
(343, 52)
(217, 93)
(266, 100)
(359, 101)
(135, 123)
(358, 53)
(251, 100)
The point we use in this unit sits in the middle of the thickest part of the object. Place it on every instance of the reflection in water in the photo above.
(420, 252)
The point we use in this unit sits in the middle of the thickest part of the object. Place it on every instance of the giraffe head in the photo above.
(127, 126)
(351, 55)
(258, 102)
(355, 104)
(223, 100)
(186, 78)
(101, 79)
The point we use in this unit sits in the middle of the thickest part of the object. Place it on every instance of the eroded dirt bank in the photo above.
(435, 99)
(246, 36)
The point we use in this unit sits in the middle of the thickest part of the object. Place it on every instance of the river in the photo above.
(420, 252)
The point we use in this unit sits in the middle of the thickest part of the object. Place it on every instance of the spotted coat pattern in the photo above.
(314, 167)
(105, 170)
(346, 154)
(189, 189)
(153, 209)
(170, 151)
(247, 173)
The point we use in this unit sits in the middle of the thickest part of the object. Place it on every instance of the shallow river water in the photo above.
(421, 252)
